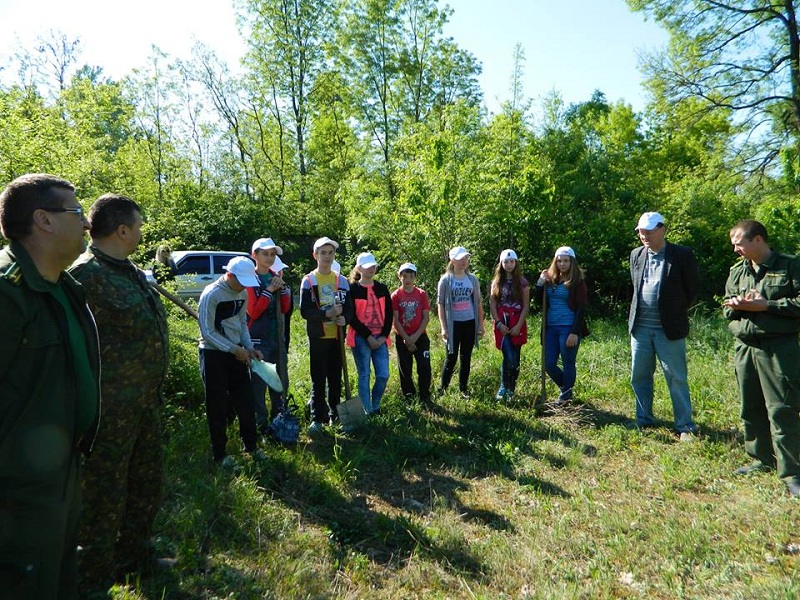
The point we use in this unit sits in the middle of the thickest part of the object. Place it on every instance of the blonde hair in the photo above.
(573, 276)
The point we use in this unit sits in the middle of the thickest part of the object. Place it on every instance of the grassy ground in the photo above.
(484, 500)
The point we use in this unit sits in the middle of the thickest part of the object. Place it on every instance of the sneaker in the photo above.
(315, 428)
(688, 436)
(509, 396)
(465, 394)
(501, 394)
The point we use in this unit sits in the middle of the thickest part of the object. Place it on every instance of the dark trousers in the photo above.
(224, 377)
(39, 537)
(326, 371)
(463, 342)
(405, 360)
(769, 390)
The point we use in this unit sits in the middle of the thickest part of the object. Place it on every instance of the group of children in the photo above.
(240, 320)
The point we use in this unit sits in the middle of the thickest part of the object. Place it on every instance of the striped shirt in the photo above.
(648, 314)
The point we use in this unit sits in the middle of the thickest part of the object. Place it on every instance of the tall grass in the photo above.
(483, 500)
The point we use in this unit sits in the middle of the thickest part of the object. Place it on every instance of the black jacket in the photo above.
(680, 283)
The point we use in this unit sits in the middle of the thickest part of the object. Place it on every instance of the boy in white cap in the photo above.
(666, 281)
(225, 353)
(412, 308)
(263, 324)
(326, 306)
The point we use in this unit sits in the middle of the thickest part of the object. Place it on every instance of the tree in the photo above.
(742, 57)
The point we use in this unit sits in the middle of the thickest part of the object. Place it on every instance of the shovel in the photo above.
(542, 400)
(351, 411)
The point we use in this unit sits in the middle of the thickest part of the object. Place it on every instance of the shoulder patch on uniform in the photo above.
(13, 274)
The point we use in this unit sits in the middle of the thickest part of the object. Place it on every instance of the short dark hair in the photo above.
(110, 211)
(750, 228)
(23, 196)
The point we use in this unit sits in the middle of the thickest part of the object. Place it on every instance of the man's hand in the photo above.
(256, 354)
(242, 354)
(752, 301)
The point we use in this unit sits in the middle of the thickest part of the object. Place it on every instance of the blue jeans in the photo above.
(555, 345)
(509, 372)
(647, 345)
(362, 353)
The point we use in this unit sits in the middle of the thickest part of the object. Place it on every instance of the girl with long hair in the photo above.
(565, 321)
(460, 311)
(509, 303)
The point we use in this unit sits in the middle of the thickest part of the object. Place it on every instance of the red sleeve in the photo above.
(256, 303)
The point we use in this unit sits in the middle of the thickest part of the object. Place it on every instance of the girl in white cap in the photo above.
(565, 321)
(461, 317)
(509, 302)
(369, 331)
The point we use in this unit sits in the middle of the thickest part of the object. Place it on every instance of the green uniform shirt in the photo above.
(779, 283)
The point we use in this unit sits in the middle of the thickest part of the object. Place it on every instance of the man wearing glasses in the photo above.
(49, 381)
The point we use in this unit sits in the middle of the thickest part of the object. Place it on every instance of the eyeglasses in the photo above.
(76, 210)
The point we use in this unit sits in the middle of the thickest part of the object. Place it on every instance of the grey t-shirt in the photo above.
(461, 291)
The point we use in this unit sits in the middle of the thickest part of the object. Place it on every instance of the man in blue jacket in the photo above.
(665, 281)
(49, 381)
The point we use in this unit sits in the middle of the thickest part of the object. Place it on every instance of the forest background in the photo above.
(364, 122)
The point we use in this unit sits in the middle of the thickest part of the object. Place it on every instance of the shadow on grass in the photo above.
(586, 414)
(353, 523)
(372, 491)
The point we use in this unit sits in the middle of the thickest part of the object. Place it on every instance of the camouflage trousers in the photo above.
(121, 484)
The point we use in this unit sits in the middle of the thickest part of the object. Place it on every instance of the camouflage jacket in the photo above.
(132, 325)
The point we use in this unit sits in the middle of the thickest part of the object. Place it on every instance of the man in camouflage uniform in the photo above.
(122, 479)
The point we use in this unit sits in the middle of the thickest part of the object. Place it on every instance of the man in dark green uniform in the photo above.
(762, 304)
(49, 370)
(123, 477)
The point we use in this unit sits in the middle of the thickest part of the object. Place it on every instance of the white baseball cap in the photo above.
(244, 270)
(278, 265)
(649, 221)
(324, 241)
(265, 244)
(508, 254)
(407, 266)
(458, 253)
(366, 260)
(565, 251)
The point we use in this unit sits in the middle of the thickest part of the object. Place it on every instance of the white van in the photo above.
(198, 268)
